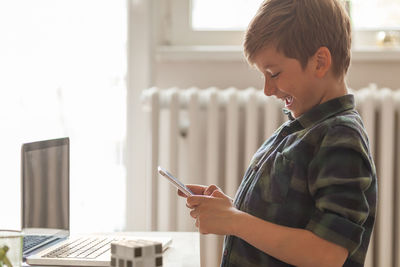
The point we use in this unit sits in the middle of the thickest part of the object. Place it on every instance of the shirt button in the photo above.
(225, 252)
(284, 134)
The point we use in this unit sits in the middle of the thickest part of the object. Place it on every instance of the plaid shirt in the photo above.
(315, 172)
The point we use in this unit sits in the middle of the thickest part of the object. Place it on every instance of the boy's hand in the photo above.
(213, 213)
(200, 189)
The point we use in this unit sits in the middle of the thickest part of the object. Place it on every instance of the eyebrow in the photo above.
(269, 66)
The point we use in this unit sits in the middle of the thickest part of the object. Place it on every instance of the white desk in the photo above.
(184, 250)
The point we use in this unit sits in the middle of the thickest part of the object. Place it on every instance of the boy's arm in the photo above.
(297, 247)
(216, 214)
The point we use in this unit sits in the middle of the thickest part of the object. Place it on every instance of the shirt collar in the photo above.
(323, 111)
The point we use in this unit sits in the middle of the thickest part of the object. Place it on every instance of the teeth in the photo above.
(288, 100)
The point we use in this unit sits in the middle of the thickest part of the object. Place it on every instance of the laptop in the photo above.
(45, 212)
(44, 193)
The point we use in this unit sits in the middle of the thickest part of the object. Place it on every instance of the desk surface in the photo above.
(184, 250)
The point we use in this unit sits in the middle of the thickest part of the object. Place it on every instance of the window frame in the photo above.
(181, 32)
(177, 31)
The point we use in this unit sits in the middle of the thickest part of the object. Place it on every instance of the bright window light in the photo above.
(225, 15)
(375, 14)
(63, 66)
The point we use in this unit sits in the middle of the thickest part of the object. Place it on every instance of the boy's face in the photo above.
(286, 80)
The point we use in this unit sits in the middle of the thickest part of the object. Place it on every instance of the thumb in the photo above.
(217, 193)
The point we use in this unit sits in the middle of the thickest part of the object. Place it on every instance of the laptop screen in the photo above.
(45, 184)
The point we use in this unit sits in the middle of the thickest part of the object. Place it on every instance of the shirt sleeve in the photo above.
(339, 175)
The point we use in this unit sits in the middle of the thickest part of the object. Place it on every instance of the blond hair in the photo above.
(298, 28)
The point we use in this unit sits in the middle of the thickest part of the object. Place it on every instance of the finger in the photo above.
(197, 224)
(194, 213)
(190, 207)
(196, 188)
(219, 194)
(181, 194)
(210, 189)
(196, 200)
(192, 203)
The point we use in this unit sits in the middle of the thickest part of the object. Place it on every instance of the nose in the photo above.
(269, 87)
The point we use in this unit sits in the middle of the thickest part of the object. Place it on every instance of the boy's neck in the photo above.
(334, 87)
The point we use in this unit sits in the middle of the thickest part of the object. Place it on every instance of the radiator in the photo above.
(208, 136)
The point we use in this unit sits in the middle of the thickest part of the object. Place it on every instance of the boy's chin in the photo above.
(296, 113)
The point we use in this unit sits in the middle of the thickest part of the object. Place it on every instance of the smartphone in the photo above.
(175, 181)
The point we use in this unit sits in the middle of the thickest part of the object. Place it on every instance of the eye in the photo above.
(275, 75)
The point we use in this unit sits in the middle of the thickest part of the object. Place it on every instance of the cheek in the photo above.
(295, 85)
(286, 85)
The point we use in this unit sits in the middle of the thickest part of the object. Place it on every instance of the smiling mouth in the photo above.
(288, 101)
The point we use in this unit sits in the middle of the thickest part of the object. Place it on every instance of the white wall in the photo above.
(384, 74)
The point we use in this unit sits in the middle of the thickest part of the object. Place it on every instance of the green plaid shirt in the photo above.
(315, 172)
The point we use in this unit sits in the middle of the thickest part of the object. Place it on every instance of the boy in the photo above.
(308, 197)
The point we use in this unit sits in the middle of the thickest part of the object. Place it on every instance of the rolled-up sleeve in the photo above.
(338, 177)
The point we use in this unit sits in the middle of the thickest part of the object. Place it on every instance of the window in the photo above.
(375, 14)
(221, 22)
(206, 14)
(62, 66)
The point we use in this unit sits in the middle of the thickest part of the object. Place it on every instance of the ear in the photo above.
(323, 61)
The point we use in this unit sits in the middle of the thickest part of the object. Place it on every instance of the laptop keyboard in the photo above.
(86, 247)
(31, 241)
